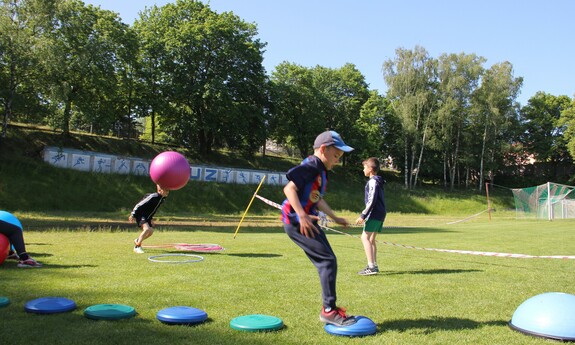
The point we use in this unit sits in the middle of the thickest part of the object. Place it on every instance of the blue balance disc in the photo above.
(363, 326)
(50, 305)
(548, 315)
(109, 312)
(4, 301)
(256, 323)
(182, 315)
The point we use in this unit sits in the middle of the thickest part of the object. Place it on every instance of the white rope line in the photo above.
(468, 218)
(455, 251)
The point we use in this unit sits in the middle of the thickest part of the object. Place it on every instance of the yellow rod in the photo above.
(250, 204)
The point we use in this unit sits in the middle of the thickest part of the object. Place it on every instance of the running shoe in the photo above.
(337, 317)
(368, 271)
(29, 263)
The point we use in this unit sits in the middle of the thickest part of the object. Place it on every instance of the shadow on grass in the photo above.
(255, 255)
(428, 326)
(435, 271)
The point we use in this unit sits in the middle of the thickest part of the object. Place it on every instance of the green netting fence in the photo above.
(547, 201)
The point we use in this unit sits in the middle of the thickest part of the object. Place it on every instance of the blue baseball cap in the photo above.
(330, 138)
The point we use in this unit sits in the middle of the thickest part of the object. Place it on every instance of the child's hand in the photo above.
(340, 221)
(131, 218)
(359, 221)
(306, 226)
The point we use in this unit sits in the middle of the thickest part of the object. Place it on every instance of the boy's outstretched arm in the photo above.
(324, 207)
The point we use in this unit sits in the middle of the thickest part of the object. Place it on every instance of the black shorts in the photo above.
(143, 221)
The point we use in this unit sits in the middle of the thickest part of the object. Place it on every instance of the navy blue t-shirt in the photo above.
(310, 178)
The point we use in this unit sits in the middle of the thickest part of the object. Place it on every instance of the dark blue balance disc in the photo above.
(109, 312)
(182, 315)
(50, 305)
(256, 323)
(4, 301)
(363, 326)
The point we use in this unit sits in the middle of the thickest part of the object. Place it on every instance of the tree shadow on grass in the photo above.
(428, 326)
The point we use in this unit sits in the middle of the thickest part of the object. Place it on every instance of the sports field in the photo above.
(420, 296)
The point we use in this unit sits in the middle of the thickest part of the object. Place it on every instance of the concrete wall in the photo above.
(110, 164)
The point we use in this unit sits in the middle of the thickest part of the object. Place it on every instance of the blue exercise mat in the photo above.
(363, 326)
(50, 305)
(181, 315)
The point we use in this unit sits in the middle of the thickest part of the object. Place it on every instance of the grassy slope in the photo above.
(30, 185)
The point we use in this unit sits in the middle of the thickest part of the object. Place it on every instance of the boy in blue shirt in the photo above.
(304, 192)
(373, 215)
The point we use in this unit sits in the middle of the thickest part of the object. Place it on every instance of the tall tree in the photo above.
(459, 76)
(18, 21)
(567, 121)
(495, 112)
(79, 63)
(343, 92)
(379, 127)
(297, 116)
(544, 133)
(411, 78)
(210, 75)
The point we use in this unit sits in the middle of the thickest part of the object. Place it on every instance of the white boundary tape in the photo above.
(455, 251)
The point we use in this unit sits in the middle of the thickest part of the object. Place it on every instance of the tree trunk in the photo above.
(482, 156)
(153, 125)
(405, 167)
(66, 118)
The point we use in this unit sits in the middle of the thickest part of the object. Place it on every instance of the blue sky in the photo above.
(535, 36)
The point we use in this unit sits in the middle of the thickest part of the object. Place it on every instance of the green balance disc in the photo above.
(256, 323)
(109, 312)
(4, 301)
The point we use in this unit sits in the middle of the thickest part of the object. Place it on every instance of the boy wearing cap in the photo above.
(304, 198)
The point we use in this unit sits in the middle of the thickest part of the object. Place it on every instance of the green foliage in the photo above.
(307, 101)
(544, 133)
(208, 67)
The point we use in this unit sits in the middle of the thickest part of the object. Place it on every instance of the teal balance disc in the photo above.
(4, 301)
(109, 312)
(256, 323)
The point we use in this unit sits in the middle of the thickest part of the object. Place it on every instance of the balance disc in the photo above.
(256, 322)
(548, 315)
(363, 326)
(182, 315)
(109, 312)
(4, 301)
(50, 305)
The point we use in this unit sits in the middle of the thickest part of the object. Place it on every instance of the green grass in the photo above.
(420, 297)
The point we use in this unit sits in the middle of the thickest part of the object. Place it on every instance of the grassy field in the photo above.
(420, 296)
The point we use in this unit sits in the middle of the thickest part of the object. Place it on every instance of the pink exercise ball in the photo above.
(170, 170)
(4, 247)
